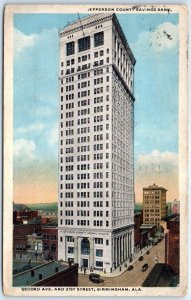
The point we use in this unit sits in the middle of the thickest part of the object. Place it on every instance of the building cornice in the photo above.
(81, 24)
(120, 31)
(155, 188)
(88, 22)
(122, 229)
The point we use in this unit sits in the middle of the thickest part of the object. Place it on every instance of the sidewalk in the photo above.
(117, 271)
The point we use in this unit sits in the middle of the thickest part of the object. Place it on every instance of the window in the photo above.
(71, 250)
(98, 39)
(84, 44)
(99, 241)
(99, 264)
(99, 252)
(70, 48)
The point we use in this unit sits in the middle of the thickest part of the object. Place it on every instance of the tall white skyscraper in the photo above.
(96, 144)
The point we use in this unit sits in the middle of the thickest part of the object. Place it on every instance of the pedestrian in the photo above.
(156, 259)
(84, 271)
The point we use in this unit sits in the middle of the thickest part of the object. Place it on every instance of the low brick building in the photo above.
(32, 239)
(20, 238)
(50, 241)
(22, 216)
(172, 244)
(138, 220)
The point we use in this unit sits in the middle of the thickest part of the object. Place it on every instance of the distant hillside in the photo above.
(20, 207)
(44, 206)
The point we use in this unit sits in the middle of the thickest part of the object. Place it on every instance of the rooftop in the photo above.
(84, 22)
(31, 276)
(173, 218)
(154, 187)
(147, 226)
(93, 19)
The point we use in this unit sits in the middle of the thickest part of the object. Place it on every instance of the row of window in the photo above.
(98, 213)
(84, 185)
(84, 93)
(83, 222)
(83, 213)
(151, 197)
(83, 112)
(97, 241)
(100, 204)
(68, 97)
(100, 156)
(84, 102)
(97, 203)
(84, 43)
(83, 157)
(83, 84)
(83, 121)
(68, 132)
(83, 130)
(99, 223)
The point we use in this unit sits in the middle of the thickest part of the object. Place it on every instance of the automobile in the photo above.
(92, 276)
(148, 252)
(144, 267)
(97, 280)
(130, 268)
(141, 258)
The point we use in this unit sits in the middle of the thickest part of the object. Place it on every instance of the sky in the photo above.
(36, 100)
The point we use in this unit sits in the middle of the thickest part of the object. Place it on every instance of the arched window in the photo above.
(85, 246)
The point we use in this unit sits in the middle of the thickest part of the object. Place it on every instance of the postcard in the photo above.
(95, 150)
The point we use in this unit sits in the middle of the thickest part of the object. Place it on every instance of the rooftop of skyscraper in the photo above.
(154, 187)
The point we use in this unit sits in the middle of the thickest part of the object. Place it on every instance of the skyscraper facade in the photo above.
(154, 204)
(96, 144)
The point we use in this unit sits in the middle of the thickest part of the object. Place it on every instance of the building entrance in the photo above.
(85, 263)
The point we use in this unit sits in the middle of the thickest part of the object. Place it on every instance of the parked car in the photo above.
(141, 258)
(93, 275)
(144, 267)
(130, 268)
(97, 280)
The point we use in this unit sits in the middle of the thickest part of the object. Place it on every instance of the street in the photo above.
(135, 277)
